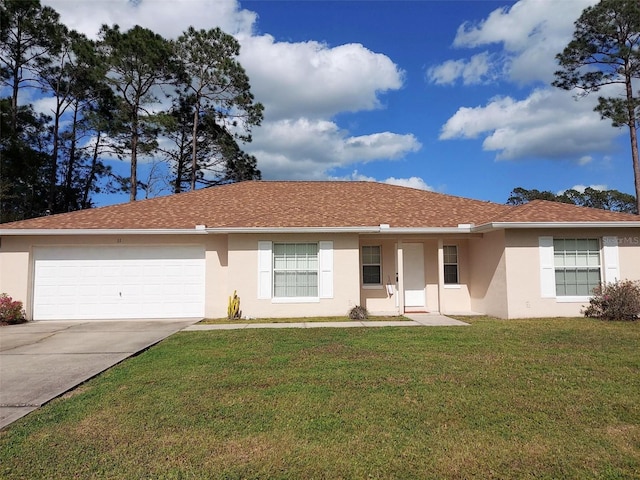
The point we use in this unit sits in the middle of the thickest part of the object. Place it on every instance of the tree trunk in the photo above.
(636, 165)
(72, 160)
(53, 174)
(633, 136)
(92, 173)
(194, 146)
(134, 160)
(182, 161)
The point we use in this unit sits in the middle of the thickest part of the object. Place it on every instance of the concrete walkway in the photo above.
(415, 320)
(42, 360)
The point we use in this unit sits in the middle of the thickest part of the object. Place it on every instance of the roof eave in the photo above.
(230, 230)
(545, 225)
(100, 231)
(426, 230)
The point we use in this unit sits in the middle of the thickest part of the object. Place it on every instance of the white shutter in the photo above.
(610, 257)
(265, 259)
(547, 268)
(325, 282)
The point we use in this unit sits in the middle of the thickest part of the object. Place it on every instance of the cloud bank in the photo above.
(519, 47)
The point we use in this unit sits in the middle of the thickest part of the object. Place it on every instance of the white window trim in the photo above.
(295, 300)
(609, 268)
(265, 269)
(573, 299)
(265, 273)
(610, 263)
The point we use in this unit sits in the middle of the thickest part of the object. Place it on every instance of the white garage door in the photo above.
(118, 282)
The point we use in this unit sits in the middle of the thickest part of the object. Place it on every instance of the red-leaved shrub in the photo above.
(11, 310)
(615, 301)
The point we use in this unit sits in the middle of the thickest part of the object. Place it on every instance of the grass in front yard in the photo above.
(372, 318)
(551, 398)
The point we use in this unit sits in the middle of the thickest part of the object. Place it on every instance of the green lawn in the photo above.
(551, 398)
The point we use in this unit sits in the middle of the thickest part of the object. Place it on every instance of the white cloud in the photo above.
(548, 123)
(528, 35)
(306, 148)
(531, 33)
(314, 80)
(412, 182)
(168, 18)
(480, 68)
(446, 73)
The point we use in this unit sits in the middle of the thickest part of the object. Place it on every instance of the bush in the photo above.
(11, 311)
(615, 301)
(358, 313)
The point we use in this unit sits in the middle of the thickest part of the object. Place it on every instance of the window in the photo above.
(577, 266)
(371, 265)
(450, 264)
(295, 270)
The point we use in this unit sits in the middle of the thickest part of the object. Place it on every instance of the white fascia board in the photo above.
(427, 230)
(538, 225)
(228, 230)
(378, 229)
(98, 231)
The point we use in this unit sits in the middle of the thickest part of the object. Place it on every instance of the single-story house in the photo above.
(315, 248)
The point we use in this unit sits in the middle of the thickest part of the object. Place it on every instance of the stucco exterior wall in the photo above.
(14, 269)
(523, 269)
(431, 274)
(376, 298)
(488, 274)
(499, 272)
(456, 298)
(629, 251)
(243, 276)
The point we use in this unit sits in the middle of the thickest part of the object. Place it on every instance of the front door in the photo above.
(414, 283)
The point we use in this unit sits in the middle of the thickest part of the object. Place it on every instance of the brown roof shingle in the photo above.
(546, 211)
(310, 204)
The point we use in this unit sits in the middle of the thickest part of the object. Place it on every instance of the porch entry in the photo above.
(414, 279)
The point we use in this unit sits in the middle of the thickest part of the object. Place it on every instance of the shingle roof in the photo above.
(546, 211)
(311, 204)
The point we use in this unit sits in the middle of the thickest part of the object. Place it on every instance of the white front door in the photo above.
(414, 283)
(83, 283)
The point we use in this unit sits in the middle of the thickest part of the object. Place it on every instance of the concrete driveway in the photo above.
(42, 360)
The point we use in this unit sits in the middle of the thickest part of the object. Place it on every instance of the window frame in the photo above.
(364, 264)
(274, 270)
(449, 264)
(573, 257)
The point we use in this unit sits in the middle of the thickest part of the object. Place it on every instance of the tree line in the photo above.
(129, 95)
(604, 199)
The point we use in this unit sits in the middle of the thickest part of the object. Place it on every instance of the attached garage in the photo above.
(123, 282)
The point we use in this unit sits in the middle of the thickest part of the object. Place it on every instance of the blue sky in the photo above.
(451, 96)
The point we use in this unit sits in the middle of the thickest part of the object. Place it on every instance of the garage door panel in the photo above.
(118, 282)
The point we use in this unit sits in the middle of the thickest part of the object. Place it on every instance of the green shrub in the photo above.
(11, 311)
(358, 313)
(615, 301)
